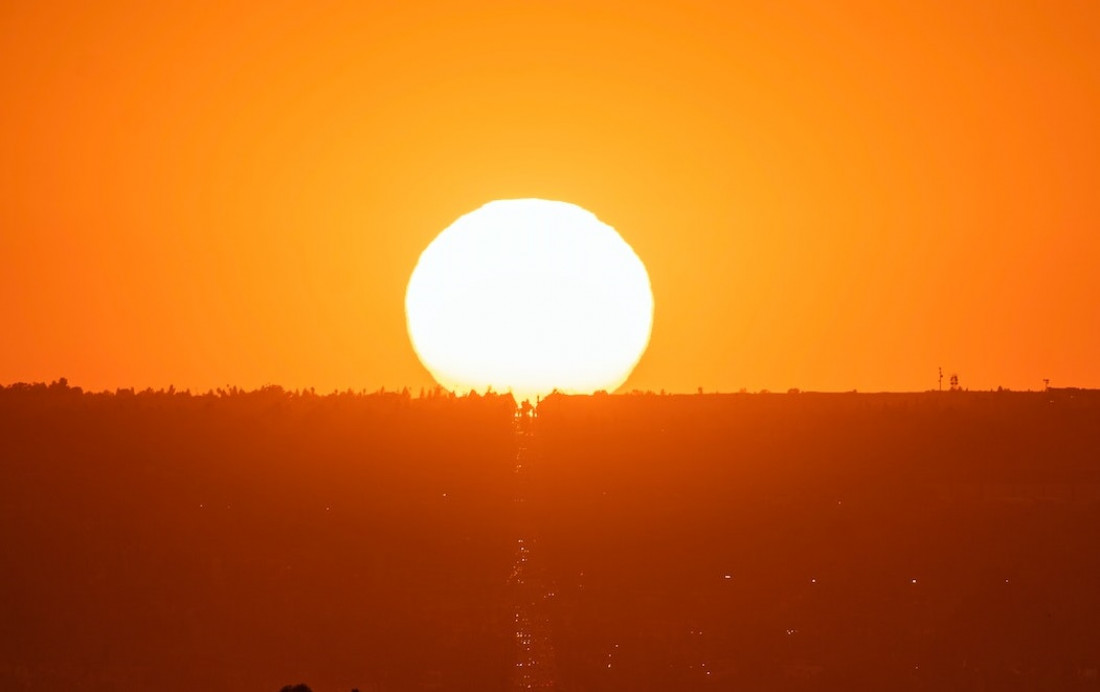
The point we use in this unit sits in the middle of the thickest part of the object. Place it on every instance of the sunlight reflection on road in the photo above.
(534, 660)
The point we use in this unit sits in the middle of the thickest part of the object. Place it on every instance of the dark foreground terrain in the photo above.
(243, 541)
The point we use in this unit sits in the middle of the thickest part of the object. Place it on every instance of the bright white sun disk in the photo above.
(528, 296)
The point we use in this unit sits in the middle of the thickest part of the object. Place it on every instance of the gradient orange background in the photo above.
(828, 195)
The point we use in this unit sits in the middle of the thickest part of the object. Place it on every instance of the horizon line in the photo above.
(439, 391)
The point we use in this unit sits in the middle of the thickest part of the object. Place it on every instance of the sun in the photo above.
(529, 296)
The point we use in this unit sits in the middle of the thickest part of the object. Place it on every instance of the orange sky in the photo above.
(828, 195)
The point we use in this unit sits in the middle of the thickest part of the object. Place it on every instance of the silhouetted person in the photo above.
(300, 687)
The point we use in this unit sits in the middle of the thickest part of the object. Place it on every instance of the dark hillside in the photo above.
(824, 541)
(242, 541)
(174, 542)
